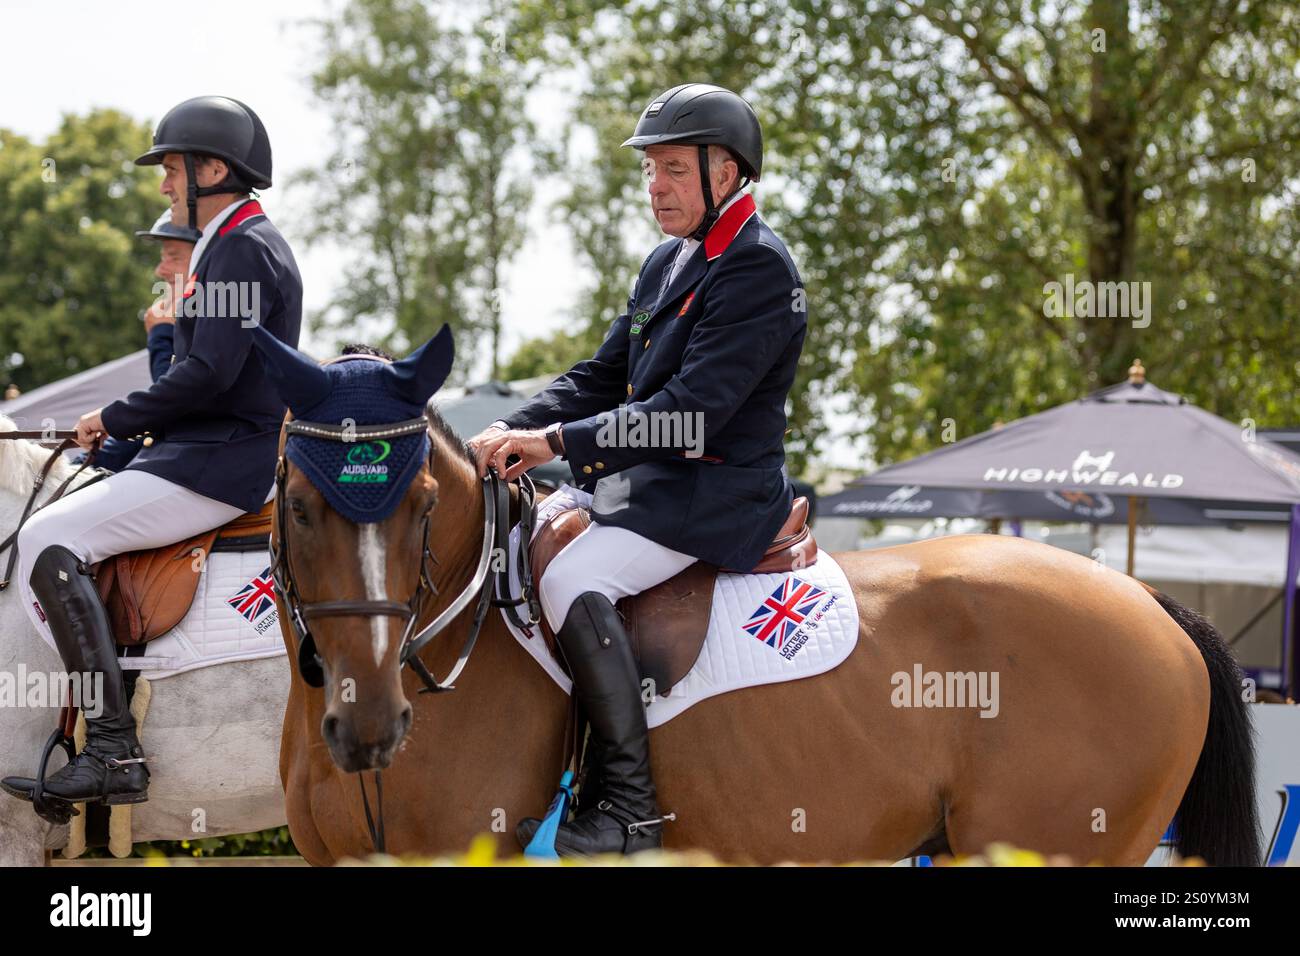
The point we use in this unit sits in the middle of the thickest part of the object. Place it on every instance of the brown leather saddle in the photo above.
(667, 623)
(148, 592)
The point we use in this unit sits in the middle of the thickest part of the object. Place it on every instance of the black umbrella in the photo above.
(860, 500)
(1131, 440)
(1127, 440)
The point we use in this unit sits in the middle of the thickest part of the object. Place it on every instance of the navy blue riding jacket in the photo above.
(215, 416)
(114, 454)
(705, 365)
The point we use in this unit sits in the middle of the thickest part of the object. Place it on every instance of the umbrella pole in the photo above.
(1132, 530)
(1290, 672)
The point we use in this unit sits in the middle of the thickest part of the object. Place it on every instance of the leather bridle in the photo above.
(496, 530)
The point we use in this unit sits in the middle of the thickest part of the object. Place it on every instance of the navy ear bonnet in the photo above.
(363, 479)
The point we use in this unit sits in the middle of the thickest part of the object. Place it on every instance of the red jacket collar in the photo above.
(727, 226)
(253, 208)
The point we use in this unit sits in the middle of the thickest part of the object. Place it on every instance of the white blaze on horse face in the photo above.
(373, 573)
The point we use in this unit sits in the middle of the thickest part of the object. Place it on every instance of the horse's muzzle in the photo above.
(369, 747)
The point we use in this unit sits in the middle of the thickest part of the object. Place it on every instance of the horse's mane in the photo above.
(22, 460)
(448, 435)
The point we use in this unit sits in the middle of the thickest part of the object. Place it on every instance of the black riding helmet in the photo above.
(165, 229)
(704, 115)
(214, 126)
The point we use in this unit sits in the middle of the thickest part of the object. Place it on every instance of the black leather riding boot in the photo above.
(111, 767)
(606, 680)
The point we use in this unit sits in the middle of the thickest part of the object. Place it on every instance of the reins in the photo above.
(67, 439)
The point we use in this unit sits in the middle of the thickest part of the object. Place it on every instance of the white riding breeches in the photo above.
(128, 511)
(613, 561)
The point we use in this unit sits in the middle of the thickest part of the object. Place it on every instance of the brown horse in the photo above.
(1117, 709)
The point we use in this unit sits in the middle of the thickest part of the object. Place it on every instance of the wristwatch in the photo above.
(553, 438)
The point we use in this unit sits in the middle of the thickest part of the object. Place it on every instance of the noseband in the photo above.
(496, 529)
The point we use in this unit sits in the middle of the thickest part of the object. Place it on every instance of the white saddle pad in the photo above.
(233, 618)
(763, 628)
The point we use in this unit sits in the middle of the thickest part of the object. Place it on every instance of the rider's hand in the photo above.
(484, 446)
(160, 313)
(90, 429)
(531, 446)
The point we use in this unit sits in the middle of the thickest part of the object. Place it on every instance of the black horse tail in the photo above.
(1217, 819)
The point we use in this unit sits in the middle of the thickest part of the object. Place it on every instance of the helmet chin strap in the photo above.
(193, 190)
(711, 212)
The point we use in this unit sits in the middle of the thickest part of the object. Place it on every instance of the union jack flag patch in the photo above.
(783, 611)
(256, 597)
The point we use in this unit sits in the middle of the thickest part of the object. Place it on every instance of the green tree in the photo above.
(430, 181)
(73, 279)
(933, 166)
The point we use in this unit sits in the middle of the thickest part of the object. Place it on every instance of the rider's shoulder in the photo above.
(248, 243)
(757, 246)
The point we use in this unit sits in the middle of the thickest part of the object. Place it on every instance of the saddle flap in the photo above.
(666, 624)
(147, 593)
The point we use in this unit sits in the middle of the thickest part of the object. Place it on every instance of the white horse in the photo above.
(212, 735)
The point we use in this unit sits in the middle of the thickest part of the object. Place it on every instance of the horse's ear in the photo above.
(301, 383)
(416, 377)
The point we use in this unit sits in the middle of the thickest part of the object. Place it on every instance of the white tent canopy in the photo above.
(67, 399)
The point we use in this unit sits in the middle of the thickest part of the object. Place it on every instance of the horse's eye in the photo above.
(299, 512)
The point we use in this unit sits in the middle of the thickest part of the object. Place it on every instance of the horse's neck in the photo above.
(456, 525)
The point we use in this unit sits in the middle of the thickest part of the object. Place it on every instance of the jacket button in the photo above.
(586, 469)
(600, 464)
(148, 440)
(629, 388)
(646, 346)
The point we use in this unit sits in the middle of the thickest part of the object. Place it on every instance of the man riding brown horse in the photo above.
(1118, 710)
(706, 354)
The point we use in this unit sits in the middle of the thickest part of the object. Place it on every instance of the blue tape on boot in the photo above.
(542, 845)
